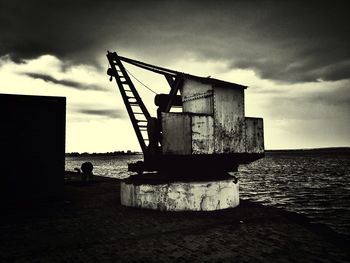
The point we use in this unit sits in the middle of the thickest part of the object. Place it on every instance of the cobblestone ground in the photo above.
(92, 226)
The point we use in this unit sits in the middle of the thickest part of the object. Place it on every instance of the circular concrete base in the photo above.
(181, 196)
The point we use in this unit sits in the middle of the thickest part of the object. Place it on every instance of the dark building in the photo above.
(32, 140)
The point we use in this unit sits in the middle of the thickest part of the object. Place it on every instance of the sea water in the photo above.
(315, 184)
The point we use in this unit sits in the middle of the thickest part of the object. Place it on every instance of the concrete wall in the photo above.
(180, 196)
(32, 139)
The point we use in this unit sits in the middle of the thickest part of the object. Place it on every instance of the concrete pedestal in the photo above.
(181, 196)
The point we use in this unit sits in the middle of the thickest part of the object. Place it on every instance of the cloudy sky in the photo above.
(294, 56)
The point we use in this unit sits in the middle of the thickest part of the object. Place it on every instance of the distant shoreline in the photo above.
(116, 153)
(307, 150)
(312, 150)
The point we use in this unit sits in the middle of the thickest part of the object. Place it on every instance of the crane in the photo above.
(211, 134)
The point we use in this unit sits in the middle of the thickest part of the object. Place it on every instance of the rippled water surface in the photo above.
(315, 184)
(114, 166)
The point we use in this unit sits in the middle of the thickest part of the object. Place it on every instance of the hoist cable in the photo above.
(141, 82)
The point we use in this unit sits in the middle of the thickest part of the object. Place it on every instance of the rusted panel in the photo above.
(229, 124)
(230, 136)
(202, 134)
(228, 103)
(197, 97)
(254, 135)
(176, 135)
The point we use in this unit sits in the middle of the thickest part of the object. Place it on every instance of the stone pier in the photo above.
(181, 196)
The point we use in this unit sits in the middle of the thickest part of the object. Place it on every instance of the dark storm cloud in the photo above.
(110, 113)
(287, 41)
(68, 83)
(326, 104)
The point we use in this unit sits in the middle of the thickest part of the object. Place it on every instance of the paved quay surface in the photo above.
(90, 225)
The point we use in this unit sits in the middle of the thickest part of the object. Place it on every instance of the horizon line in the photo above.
(266, 150)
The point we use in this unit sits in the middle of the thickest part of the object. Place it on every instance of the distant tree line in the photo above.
(115, 153)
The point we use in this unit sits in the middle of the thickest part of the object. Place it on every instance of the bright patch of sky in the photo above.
(300, 115)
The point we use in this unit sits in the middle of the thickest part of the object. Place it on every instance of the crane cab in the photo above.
(212, 131)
